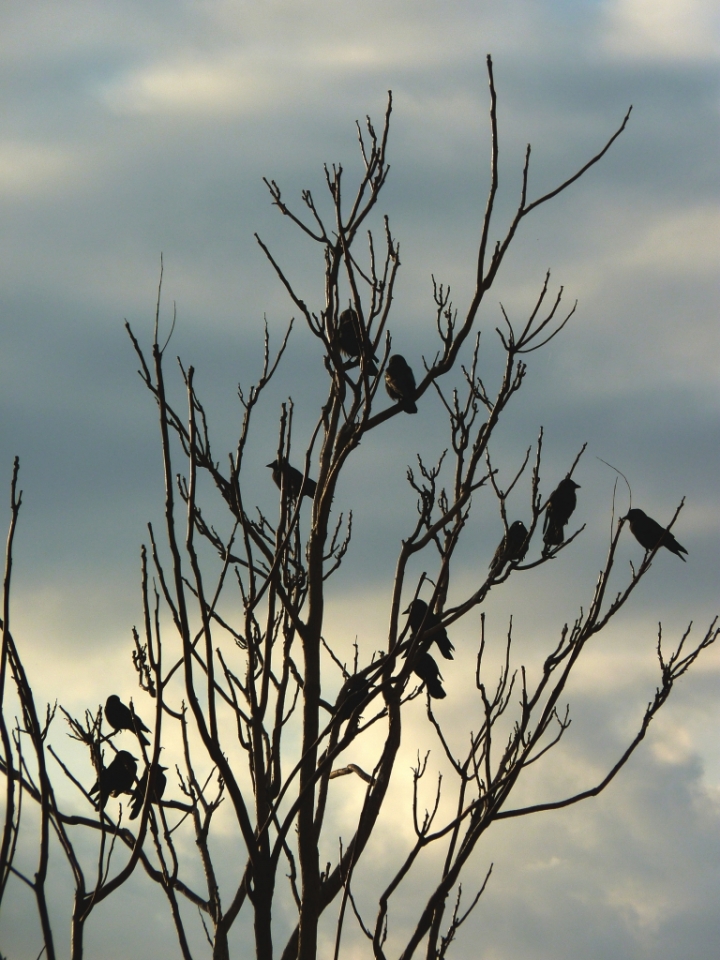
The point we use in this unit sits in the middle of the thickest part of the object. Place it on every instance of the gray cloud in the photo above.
(140, 128)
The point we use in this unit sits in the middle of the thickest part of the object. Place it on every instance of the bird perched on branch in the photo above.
(293, 480)
(120, 718)
(158, 783)
(561, 503)
(420, 616)
(353, 340)
(352, 693)
(116, 779)
(649, 533)
(513, 546)
(400, 383)
(428, 671)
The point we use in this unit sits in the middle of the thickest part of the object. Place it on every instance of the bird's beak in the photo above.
(407, 611)
(270, 465)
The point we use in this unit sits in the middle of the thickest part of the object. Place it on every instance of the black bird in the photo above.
(157, 788)
(352, 693)
(348, 328)
(417, 613)
(649, 533)
(120, 718)
(116, 779)
(561, 503)
(426, 668)
(293, 480)
(513, 546)
(400, 383)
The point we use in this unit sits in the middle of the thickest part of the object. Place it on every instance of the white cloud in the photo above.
(686, 241)
(28, 168)
(663, 29)
(194, 86)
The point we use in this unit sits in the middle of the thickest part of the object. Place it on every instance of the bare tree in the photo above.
(234, 654)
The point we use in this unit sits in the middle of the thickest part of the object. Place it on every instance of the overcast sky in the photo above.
(128, 129)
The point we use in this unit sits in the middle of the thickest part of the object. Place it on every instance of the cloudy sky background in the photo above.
(134, 128)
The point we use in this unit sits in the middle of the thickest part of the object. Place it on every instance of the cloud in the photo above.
(685, 241)
(666, 30)
(34, 168)
(166, 116)
(193, 86)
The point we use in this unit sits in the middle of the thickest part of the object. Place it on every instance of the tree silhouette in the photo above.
(234, 653)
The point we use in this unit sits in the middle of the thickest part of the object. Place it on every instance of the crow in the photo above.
(513, 546)
(561, 503)
(348, 328)
(352, 693)
(120, 718)
(649, 533)
(426, 668)
(417, 613)
(157, 788)
(115, 779)
(400, 383)
(293, 480)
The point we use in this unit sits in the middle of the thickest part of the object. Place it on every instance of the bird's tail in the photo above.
(554, 534)
(445, 646)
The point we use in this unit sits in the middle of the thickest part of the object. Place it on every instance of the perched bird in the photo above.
(116, 779)
(513, 546)
(348, 336)
(417, 613)
(426, 668)
(649, 533)
(400, 383)
(352, 693)
(561, 503)
(120, 718)
(157, 788)
(293, 480)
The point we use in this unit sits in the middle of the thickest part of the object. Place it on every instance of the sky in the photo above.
(130, 130)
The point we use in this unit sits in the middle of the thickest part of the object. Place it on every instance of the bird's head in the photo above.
(633, 514)
(417, 608)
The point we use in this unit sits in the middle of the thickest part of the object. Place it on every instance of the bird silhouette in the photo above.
(513, 546)
(116, 779)
(352, 693)
(353, 340)
(649, 533)
(157, 788)
(561, 503)
(419, 616)
(120, 718)
(400, 383)
(428, 671)
(293, 480)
